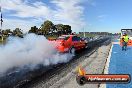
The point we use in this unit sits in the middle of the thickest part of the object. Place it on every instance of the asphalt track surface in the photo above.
(120, 63)
(53, 74)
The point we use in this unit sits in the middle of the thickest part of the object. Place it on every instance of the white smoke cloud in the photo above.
(30, 50)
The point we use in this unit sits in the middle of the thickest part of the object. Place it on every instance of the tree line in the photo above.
(46, 29)
(17, 32)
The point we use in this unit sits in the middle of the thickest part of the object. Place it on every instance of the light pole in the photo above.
(1, 20)
(84, 32)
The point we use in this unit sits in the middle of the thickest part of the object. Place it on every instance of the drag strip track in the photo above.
(43, 77)
(53, 75)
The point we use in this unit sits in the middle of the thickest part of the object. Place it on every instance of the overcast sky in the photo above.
(91, 15)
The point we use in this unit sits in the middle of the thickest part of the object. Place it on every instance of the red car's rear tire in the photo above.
(86, 46)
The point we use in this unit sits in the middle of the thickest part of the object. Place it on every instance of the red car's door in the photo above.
(68, 42)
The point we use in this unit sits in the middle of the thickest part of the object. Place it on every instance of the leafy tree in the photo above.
(33, 30)
(59, 28)
(46, 27)
(63, 29)
(18, 32)
(6, 32)
(67, 29)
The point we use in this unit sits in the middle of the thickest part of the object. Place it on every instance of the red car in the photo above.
(70, 43)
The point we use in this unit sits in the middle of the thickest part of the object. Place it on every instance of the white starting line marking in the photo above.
(106, 70)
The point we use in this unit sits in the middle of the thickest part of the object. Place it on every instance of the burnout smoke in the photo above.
(30, 50)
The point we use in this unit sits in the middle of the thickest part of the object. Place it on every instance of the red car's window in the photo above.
(75, 38)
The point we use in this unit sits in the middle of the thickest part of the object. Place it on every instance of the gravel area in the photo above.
(93, 64)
